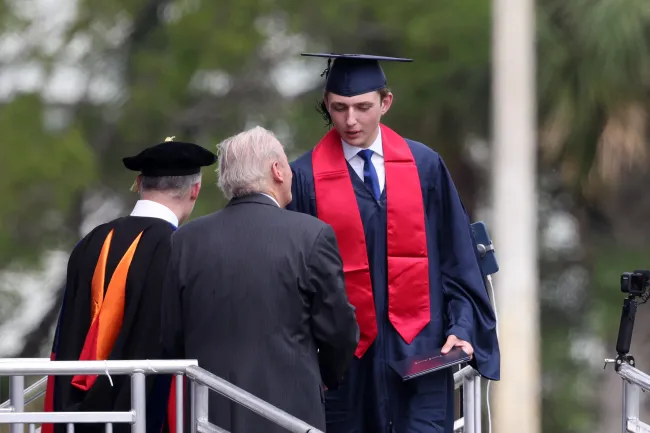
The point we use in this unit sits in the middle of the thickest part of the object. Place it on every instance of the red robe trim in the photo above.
(171, 405)
(408, 271)
(48, 405)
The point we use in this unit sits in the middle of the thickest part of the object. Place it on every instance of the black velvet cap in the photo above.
(355, 74)
(170, 158)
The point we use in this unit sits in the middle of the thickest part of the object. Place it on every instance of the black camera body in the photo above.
(635, 283)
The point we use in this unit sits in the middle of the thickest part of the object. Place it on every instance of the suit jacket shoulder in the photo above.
(306, 222)
(298, 222)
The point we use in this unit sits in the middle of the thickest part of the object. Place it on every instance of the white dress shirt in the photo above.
(377, 159)
(152, 209)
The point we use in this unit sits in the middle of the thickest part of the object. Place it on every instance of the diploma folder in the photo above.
(415, 366)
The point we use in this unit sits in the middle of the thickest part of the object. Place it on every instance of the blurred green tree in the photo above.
(148, 69)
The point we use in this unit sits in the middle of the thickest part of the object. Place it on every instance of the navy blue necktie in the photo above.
(369, 173)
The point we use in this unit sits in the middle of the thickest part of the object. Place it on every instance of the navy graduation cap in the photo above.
(354, 74)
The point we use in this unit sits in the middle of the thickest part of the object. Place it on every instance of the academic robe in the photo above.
(136, 337)
(373, 398)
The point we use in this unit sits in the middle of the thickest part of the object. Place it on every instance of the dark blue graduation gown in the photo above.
(373, 398)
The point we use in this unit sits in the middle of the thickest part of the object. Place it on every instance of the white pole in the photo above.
(517, 395)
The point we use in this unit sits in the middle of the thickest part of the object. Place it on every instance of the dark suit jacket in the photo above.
(256, 294)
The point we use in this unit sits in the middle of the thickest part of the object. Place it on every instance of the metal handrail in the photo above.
(470, 380)
(465, 373)
(201, 381)
(17, 369)
(38, 388)
(35, 391)
(199, 378)
(94, 367)
(246, 399)
(24, 359)
(635, 376)
(634, 380)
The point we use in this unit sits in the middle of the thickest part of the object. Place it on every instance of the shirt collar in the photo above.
(152, 209)
(271, 197)
(350, 151)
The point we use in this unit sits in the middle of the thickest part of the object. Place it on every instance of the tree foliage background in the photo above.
(85, 82)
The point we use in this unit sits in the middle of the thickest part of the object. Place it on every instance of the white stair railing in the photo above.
(13, 412)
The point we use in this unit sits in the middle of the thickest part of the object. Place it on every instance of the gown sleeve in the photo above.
(469, 311)
(171, 335)
(302, 192)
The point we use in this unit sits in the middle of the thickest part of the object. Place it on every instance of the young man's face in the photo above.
(356, 118)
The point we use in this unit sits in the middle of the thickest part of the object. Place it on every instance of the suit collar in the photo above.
(272, 199)
(258, 198)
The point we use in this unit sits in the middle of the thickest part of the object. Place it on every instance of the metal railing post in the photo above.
(193, 399)
(180, 409)
(468, 405)
(139, 402)
(630, 403)
(17, 398)
(477, 404)
(199, 405)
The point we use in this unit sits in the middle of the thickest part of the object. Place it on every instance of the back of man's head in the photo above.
(178, 193)
(170, 174)
(174, 187)
(252, 162)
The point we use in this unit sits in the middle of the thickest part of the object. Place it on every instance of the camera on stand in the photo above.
(635, 283)
(637, 286)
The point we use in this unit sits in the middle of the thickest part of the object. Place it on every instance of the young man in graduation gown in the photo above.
(411, 267)
(111, 305)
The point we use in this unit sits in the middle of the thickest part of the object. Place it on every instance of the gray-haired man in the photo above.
(256, 293)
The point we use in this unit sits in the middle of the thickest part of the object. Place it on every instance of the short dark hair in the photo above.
(322, 107)
(176, 186)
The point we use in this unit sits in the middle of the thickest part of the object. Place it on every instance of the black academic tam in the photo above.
(170, 158)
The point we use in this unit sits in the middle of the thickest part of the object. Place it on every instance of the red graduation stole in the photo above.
(408, 271)
(107, 311)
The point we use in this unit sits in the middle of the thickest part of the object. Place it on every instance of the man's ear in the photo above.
(194, 191)
(277, 172)
(386, 102)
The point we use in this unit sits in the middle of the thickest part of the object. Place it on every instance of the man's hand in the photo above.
(453, 341)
